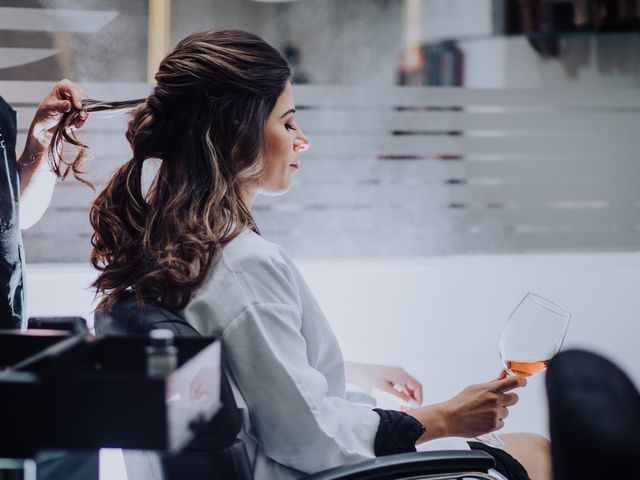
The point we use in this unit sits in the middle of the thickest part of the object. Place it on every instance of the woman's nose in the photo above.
(301, 143)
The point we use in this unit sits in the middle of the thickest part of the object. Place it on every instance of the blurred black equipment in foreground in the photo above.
(77, 325)
(594, 414)
(78, 393)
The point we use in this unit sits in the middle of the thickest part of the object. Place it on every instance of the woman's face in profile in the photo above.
(284, 141)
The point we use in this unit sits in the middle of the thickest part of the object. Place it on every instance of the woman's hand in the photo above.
(476, 410)
(393, 380)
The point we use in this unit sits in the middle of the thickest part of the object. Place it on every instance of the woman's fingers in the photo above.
(401, 380)
(508, 383)
(398, 391)
(412, 388)
(482, 408)
(417, 395)
(509, 399)
(415, 388)
(503, 412)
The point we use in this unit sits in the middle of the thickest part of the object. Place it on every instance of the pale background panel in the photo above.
(439, 317)
(389, 182)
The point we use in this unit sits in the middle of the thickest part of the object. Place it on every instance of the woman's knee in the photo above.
(536, 441)
(533, 451)
(526, 441)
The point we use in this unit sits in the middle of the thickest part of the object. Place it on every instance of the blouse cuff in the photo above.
(397, 432)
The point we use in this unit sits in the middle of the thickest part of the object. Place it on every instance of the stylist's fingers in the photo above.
(80, 119)
(49, 113)
(69, 90)
(58, 106)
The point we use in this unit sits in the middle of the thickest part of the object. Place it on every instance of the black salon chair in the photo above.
(216, 454)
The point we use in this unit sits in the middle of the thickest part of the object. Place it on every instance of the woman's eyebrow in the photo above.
(293, 110)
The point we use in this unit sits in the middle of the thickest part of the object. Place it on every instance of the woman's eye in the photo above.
(289, 126)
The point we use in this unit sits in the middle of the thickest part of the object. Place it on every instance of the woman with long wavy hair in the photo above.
(221, 120)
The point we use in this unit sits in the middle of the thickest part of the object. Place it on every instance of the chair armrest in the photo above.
(192, 464)
(409, 465)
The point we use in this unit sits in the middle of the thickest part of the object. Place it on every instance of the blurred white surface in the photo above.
(112, 466)
(438, 317)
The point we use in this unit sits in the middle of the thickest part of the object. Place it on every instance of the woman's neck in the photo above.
(248, 195)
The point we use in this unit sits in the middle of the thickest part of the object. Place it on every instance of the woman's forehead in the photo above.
(285, 101)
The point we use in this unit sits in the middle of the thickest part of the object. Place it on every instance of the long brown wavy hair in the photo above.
(205, 121)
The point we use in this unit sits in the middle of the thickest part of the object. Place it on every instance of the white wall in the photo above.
(440, 317)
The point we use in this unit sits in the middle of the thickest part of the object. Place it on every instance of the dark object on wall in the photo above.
(435, 65)
(292, 54)
(594, 415)
(544, 21)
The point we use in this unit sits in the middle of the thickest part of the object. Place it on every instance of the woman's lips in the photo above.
(295, 165)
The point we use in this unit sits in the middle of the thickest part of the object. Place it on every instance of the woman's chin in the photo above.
(274, 192)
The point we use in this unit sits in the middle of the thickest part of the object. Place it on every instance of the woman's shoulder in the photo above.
(250, 248)
(250, 271)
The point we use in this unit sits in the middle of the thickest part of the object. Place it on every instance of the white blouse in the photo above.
(283, 361)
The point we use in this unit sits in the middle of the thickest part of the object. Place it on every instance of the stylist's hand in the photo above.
(64, 96)
(393, 380)
(476, 410)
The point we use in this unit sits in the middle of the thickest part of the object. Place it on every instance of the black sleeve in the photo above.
(397, 432)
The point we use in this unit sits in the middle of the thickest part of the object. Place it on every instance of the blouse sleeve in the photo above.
(397, 432)
(293, 418)
(295, 422)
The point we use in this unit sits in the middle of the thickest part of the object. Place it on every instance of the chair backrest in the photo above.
(594, 414)
(214, 453)
(126, 317)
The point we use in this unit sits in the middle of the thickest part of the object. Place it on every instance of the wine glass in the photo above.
(533, 334)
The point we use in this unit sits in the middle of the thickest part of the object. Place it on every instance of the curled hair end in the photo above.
(65, 133)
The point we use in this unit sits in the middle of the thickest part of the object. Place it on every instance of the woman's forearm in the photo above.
(353, 372)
